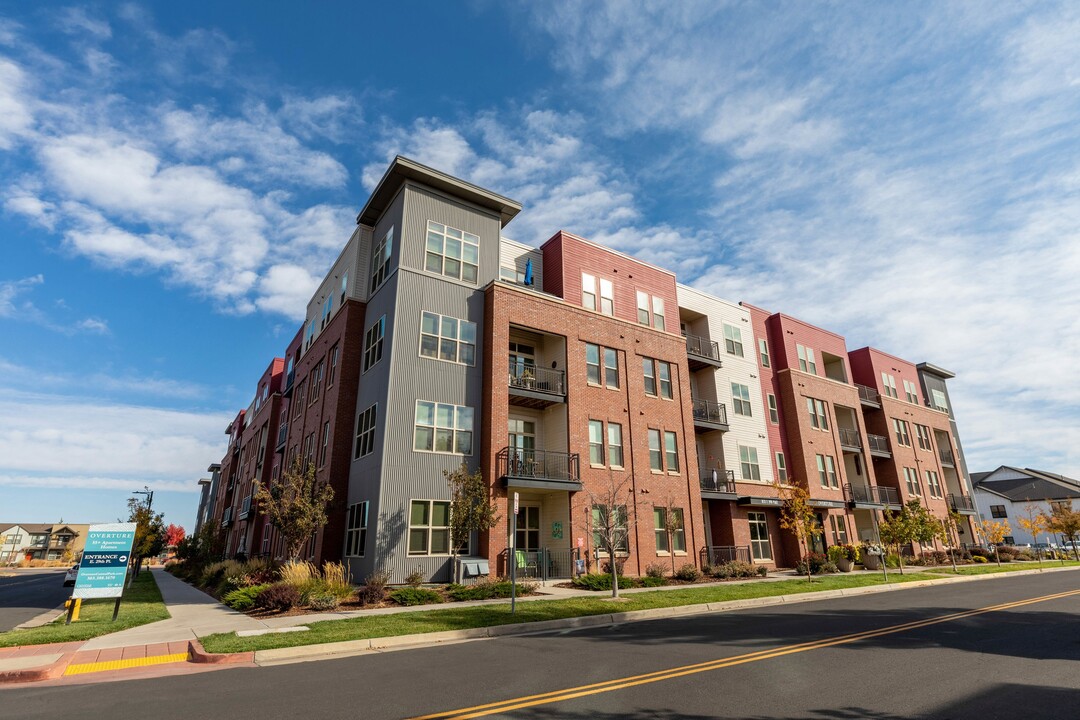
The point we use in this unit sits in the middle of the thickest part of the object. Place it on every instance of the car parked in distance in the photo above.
(71, 576)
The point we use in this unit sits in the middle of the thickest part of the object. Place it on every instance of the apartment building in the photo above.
(559, 372)
(41, 541)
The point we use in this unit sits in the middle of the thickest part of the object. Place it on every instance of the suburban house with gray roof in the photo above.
(1005, 493)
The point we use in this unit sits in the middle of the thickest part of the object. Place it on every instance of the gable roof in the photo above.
(1031, 485)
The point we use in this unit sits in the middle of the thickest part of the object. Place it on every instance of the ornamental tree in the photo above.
(798, 516)
(1034, 523)
(471, 508)
(994, 533)
(295, 505)
(1063, 520)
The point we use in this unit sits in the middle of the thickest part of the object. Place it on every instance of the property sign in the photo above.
(105, 561)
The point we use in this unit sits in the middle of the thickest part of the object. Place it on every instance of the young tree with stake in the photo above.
(611, 521)
(1034, 523)
(994, 533)
(1063, 520)
(295, 505)
(798, 516)
(471, 508)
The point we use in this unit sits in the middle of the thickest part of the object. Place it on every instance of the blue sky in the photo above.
(176, 179)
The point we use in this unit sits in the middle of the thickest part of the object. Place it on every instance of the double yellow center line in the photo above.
(620, 683)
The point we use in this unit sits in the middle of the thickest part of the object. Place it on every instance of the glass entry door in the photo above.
(528, 528)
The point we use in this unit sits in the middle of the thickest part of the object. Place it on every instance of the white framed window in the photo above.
(774, 413)
(643, 308)
(839, 529)
(659, 321)
(316, 382)
(763, 351)
(618, 522)
(452, 253)
(938, 398)
(911, 392)
(596, 442)
(325, 443)
(648, 368)
(933, 484)
(611, 368)
(443, 428)
(733, 340)
(588, 291)
(888, 385)
(309, 334)
(657, 374)
(512, 275)
(331, 368)
(614, 444)
(380, 260)
(819, 419)
(807, 362)
(592, 363)
(429, 527)
(268, 530)
(827, 471)
(759, 536)
(656, 453)
(911, 479)
(740, 399)
(671, 451)
(922, 435)
(781, 467)
(365, 432)
(748, 462)
(344, 286)
(356, 529)
(678, 534)
(327, 310)
(373, 343)
(607, 297)
(448, 339)
(900, 428)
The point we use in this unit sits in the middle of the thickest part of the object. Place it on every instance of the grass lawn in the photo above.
(534, 611)
(992, 567)
(141, 604)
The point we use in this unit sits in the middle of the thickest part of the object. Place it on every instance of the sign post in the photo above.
(513, 557)
(104, 565)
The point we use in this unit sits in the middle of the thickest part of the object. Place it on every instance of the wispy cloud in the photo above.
(14, 305)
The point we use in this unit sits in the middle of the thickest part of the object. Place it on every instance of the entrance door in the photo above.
(817, 540)
(528, 528)
(521, 438)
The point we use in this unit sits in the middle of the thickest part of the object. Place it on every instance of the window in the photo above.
(748, 462)
(656, 455)
(643, 307)
(922, 434)
(933, 484)
(299, 398)
(900, 427)
(888, 384)
(938, 400)
(429, 527)
(826, 466)
(611, 368)
(671, 451)
(331, 369)
(446, 338)
(327, 309)
(325, 444)
(316, 382)
(452, 253)
(588, 291)
(774, 414)
(678, 531)
(733, 340)
(759, 536)
(356, 530)
(740, 399)
(592, 363)
(664, 371)
(443, 428)
(763, 350)
(781, 467)
(998, 511)
(365, 432)
(658, 313)
(818, 417)
(309, 334)
(380, 260)
(607, 297)
(373, 342)
(807, 362)
(603, 518)
(911, 392)
(596, 442)
(309, 448)
(839, 529)
(657, 378)
(344, 286)
(614, 442)
(911, 479)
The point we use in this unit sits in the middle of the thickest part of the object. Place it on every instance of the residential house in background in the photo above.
(41, 541)
(1007, 492)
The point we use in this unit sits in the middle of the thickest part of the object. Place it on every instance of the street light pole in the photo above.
(149, 504)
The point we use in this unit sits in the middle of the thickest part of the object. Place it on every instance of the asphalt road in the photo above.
(30, 593)
(916, 659)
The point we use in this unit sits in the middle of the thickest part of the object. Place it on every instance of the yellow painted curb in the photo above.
(82, 668)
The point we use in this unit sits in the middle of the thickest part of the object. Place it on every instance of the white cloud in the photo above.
(76, 21)
(15, 307)
(15, 114)
(10, 291)
(93, 325)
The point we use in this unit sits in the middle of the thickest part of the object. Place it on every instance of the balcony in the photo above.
(701, 352)
(961, 504)
(947, 458)
(282, 437)
(879, 445)
(871, 496)
(850, 440)
(540, 469)
(721, 554)
(226, 518)
(536, 387)
(709, 416)
(718, 485)
(868, 396)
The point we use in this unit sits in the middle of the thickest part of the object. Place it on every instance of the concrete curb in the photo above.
(198, 655)
(42, 619)
(401, 642)
(46, 672)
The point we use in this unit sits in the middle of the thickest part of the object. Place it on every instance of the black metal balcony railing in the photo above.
(868, 394)
(946, 456)
(537, 379)
(960, 502)
(871, 494)
(702, 347)
(721, 554)
(538, 465)
(718, 481)
(877, 443)
(849, 438)
(710, 411)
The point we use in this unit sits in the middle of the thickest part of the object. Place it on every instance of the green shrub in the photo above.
(654, 570)
(323, 602)
(892, 560)
(415, 578)
(487, 589)
(600, 581)
(278, 597)
(243, 598)
(415, 596)
(688, 573)
(650, 581)
(373, 591)
(815, 561)
(978, 559)
(761, 571)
